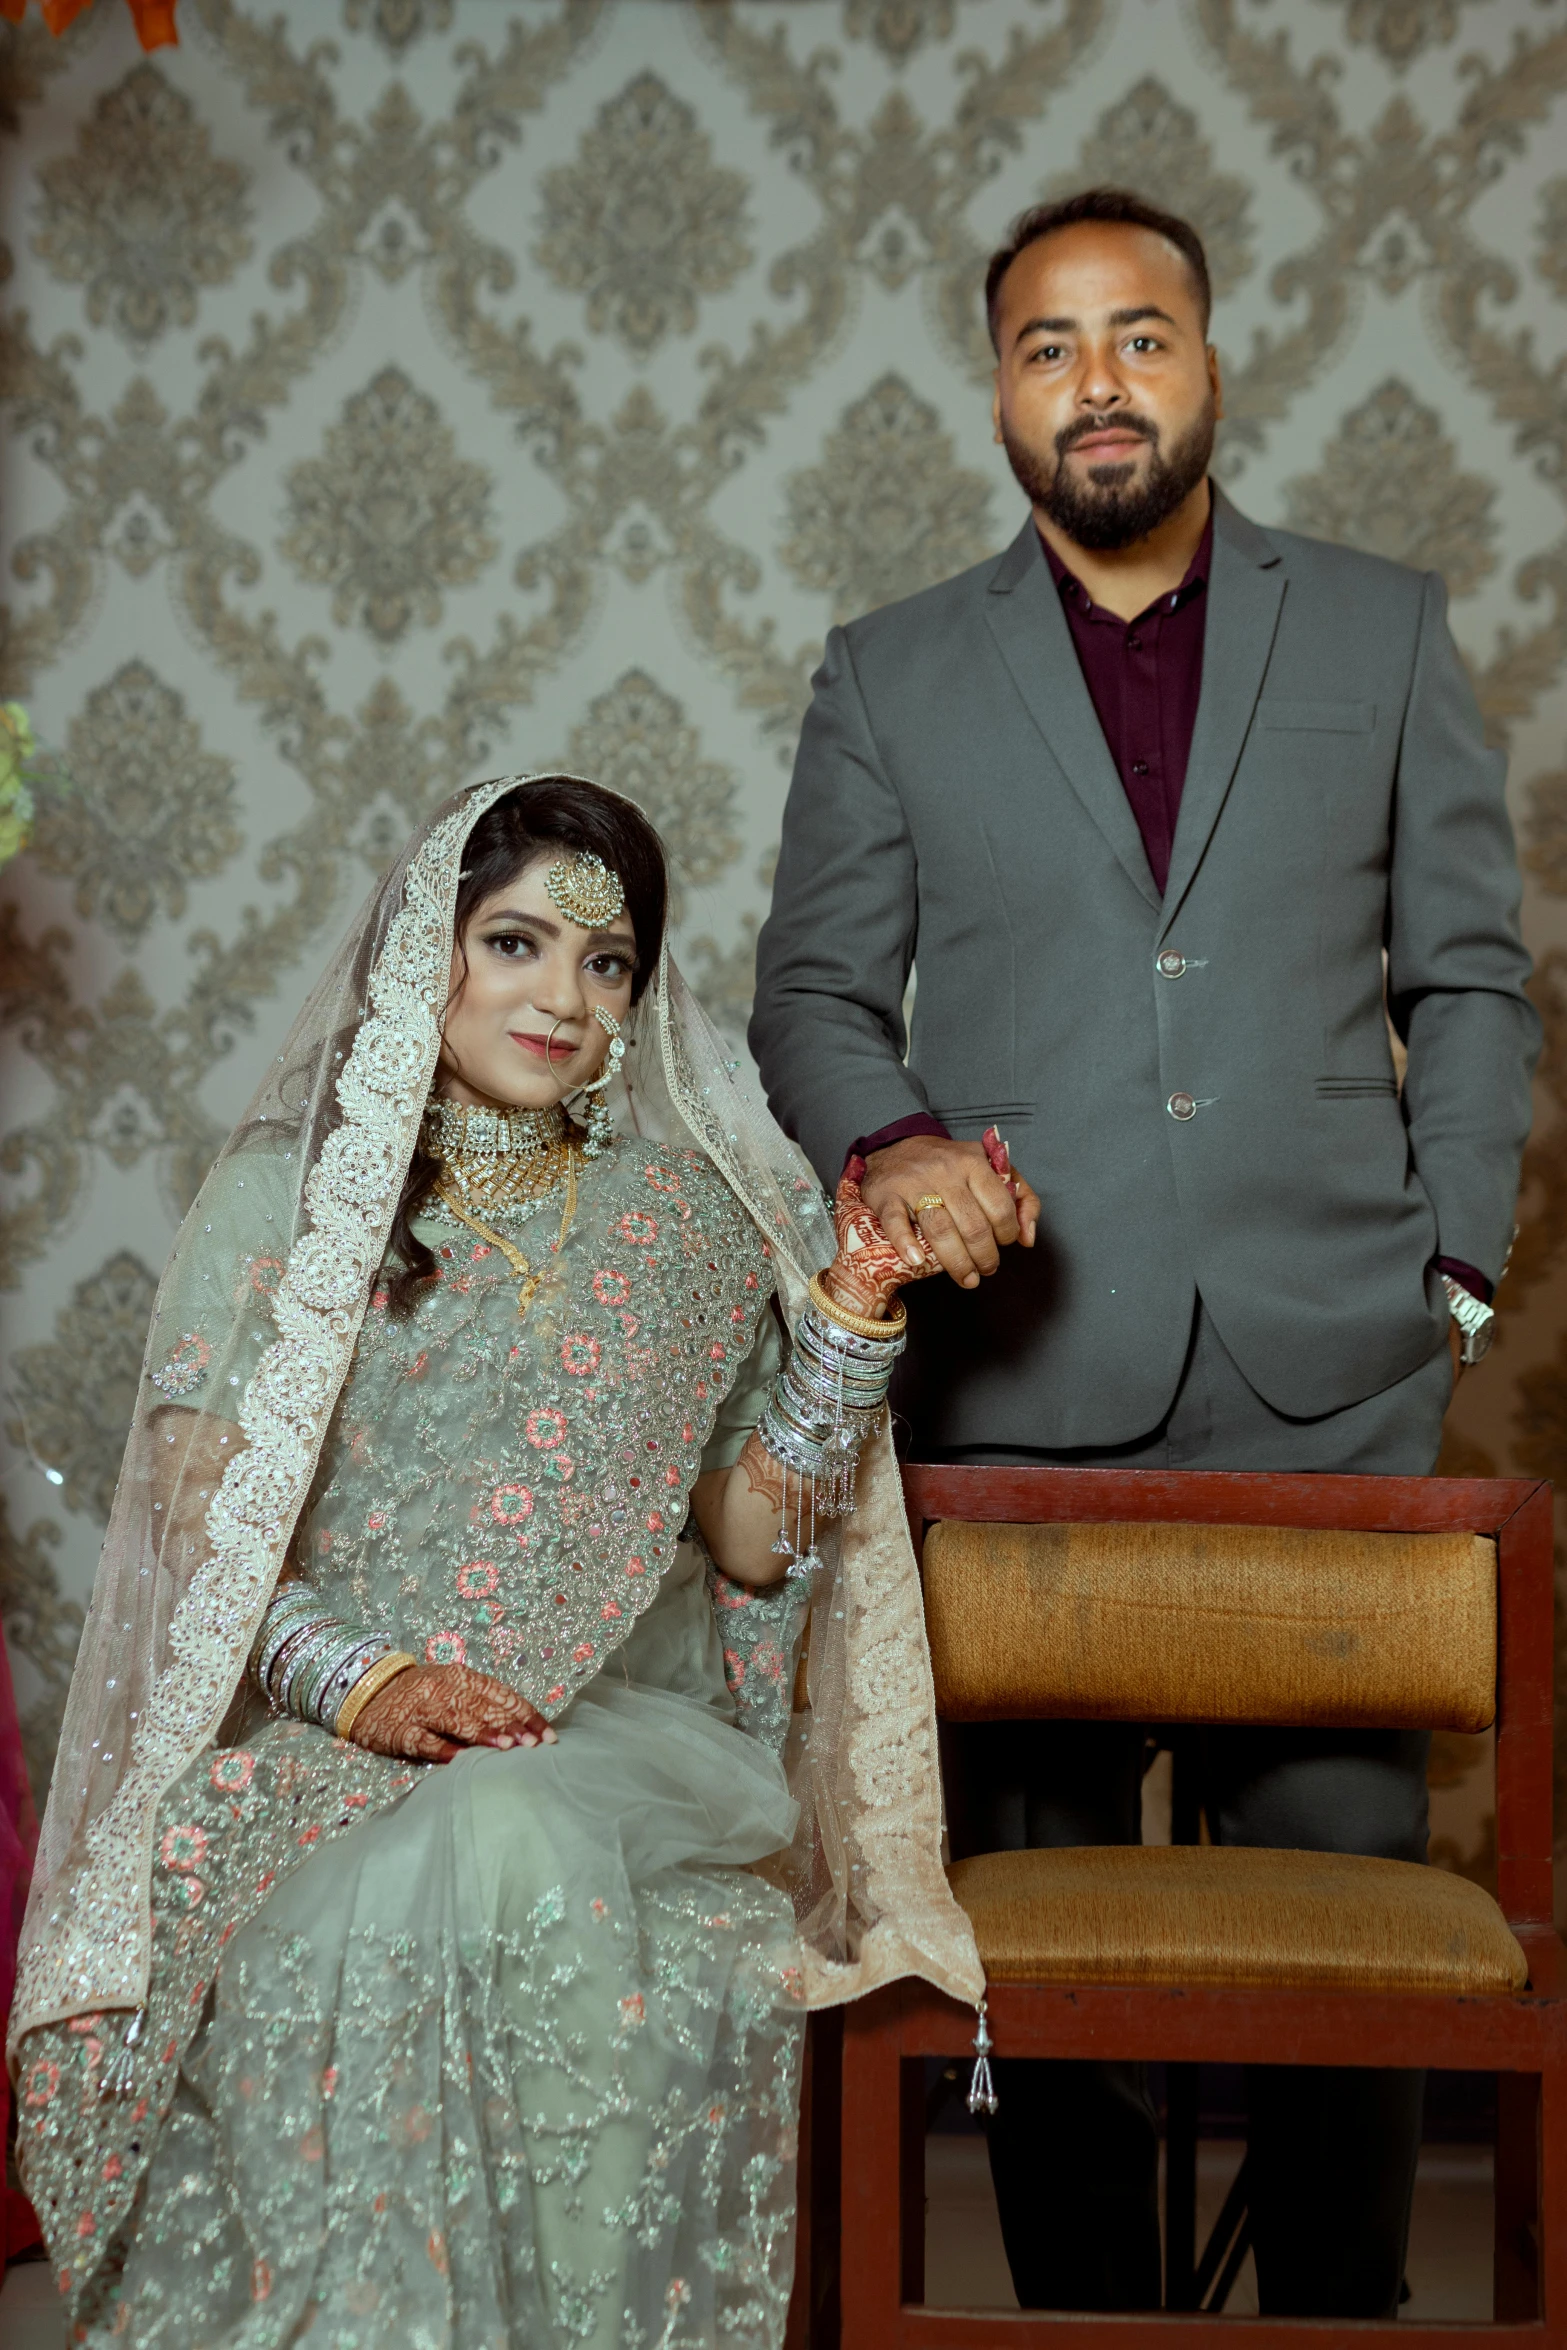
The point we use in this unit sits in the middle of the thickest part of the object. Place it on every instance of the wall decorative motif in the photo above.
(401, 390)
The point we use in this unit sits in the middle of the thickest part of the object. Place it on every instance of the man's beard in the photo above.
(1106, 509)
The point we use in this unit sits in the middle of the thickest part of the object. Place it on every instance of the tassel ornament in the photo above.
(982, 2096)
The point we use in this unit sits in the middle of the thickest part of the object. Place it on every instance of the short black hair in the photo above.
(1117, 208)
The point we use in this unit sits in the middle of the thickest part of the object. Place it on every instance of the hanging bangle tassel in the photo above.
(982, 2096)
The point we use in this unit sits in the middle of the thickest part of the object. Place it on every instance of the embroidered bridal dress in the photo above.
(312, 2046)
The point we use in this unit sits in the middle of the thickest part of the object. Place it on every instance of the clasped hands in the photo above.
(976, 1205)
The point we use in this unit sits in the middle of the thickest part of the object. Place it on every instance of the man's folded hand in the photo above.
(970, 1211)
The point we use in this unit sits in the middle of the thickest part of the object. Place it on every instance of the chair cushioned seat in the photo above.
(1236, 1915)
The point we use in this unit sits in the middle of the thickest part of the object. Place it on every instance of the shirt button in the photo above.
(1181, 1105)
(1134, 644)
(1139, 766)
(1171, 965)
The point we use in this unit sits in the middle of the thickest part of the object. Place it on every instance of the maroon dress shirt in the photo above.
(1144, 677)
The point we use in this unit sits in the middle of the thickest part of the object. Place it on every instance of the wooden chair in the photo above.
(1140, 1595)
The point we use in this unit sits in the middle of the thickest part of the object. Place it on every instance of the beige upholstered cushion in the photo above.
(1189, 1913)
(1163, 1623)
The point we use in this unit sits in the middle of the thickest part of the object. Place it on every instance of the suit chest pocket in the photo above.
(1284, 717)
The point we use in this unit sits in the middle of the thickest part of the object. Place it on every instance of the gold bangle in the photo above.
(861, 1324)
(370, 1684)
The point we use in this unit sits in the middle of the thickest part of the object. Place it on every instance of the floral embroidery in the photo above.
(519, 1499)
(478, 1579)
(42, 2082)
(545, 1427)
(183, 1847)
(233, 1771)
(561, 1465)
(446, 1648)
(185, 1368)
(581, 1355)
(611, 1289)
(641, 1230)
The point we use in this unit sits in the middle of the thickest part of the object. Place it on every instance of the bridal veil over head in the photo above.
(200, 1528)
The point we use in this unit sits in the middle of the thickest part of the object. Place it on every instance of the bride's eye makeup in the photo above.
(611, 967)
(512, 944)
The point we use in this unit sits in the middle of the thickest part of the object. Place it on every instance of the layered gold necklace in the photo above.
(502, 1165)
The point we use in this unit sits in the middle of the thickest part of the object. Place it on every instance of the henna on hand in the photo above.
(763, 1473)
(429, 1713)
(867, 1273)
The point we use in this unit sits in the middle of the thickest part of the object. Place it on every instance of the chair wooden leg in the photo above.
(1552, 2210)
(813, 2305)
(873, 2175)
(911, 2179)
(1516, 2290)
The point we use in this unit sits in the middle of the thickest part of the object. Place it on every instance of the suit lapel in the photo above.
(1244, 593)
(1030, 628)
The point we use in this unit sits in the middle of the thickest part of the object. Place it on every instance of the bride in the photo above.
(444, 1845)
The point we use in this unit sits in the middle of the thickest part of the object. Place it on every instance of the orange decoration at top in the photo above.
(154, 18)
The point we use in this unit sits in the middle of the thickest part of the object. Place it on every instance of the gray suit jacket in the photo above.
(954, 800)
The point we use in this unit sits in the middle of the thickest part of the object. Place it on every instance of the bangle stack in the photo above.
(825, 1404)
(309, 1664)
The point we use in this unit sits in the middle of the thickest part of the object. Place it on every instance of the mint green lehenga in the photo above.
(503, 2051)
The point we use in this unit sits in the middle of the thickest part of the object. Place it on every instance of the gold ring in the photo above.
(926, 1201)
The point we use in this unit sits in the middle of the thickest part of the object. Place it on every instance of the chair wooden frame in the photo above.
(1522, 2039)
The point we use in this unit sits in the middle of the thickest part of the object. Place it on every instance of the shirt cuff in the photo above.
(1467, 1278)
(921, 1122)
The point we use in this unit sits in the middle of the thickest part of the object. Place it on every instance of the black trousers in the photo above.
(1074, 2147)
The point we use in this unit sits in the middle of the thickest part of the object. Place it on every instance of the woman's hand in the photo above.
(867, 1273)
(428, 1713)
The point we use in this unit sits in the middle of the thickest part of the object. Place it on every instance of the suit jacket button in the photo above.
(1181, 1105)
(1170, 964)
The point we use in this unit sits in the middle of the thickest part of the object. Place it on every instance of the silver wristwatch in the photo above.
(1476, 1321)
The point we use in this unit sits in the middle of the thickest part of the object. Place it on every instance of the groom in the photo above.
(1149, 795)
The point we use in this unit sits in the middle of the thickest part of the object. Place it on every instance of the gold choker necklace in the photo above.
(495, 1160)
(500, 1163)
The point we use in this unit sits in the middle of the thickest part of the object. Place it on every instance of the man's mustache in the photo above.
(1086, 426)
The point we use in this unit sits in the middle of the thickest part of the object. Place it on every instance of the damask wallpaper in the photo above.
(401, 390)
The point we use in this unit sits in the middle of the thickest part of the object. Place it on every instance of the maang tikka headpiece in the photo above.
(585, 890)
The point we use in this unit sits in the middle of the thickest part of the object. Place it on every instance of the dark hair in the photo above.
(554, 812)
(1117, 208)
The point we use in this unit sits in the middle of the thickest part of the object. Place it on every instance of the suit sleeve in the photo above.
(1457, 966)
(834, 955)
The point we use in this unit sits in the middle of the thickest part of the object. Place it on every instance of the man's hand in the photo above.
(1455, 1347)
(431, 1712)
(981, 1211)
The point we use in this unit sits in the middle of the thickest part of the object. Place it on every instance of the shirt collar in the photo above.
(1072, 590)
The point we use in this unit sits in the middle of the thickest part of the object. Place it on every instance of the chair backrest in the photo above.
(1512, 1513)
(1194, 1623)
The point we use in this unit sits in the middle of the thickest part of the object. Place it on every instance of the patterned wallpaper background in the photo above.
(400, 390)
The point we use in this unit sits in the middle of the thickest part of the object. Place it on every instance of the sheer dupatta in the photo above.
(202, 1521)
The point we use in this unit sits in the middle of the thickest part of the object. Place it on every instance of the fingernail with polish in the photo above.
(550, 1738)
(527, 1739)
(502, 1740)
